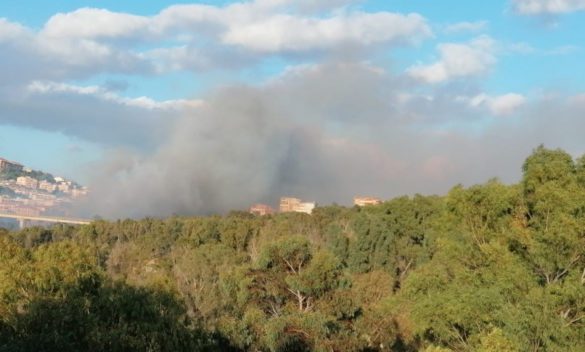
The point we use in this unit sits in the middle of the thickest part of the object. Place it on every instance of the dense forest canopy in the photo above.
(491, 267)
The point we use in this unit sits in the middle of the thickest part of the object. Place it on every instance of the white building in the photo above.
(64, 187)
(363, 201)
(306, 207)
(47, 186)
(289, 204)
(27, 182)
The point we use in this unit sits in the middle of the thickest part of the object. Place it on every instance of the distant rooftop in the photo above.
(10, 162)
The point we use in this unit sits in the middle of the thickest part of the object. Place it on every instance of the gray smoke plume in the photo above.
(250, 144)
(324, 133)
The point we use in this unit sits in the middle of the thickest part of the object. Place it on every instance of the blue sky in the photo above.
(85, 82)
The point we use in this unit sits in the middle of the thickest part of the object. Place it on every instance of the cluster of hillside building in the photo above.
(60, 185)
(296, 205)
(29, 196)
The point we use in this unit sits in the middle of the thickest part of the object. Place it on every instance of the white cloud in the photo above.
(27, 55)
(90, 41)
(466, 27)
(10, 30)
(458, 61)
(262, 25)
(88, 57)
(312, 5)
(91, 23)
(289, 33)
(500, 105)
(547, 7)
(304, 6)
(103, 94)
(196, 17)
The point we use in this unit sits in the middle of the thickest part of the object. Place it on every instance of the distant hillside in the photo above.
(10, 170)
(36, 174)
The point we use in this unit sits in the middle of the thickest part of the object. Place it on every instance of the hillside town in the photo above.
(24, 191)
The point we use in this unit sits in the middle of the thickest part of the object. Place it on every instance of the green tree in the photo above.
(554, 199)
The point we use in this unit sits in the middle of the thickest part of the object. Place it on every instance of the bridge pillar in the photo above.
(21, 223)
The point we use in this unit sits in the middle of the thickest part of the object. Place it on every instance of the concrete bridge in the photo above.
(23, 219)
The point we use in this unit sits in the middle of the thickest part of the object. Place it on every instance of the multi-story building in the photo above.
(289, 204)
(47, 186)
(64, 187)
(363, 201)
(27, 182)
(306, 207)
(6, 165)
(261, 209)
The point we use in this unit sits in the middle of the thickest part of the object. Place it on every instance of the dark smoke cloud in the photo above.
(249, 144)
(326, 133)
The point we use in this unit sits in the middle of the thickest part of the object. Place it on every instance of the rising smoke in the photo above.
(243, 145)
(323, 133)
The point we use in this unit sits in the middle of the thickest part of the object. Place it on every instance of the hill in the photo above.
(24, 191)
(37, 175)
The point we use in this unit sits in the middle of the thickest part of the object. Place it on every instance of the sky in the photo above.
(198, 107)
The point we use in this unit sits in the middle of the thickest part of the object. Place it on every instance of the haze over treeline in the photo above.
(491, 267)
